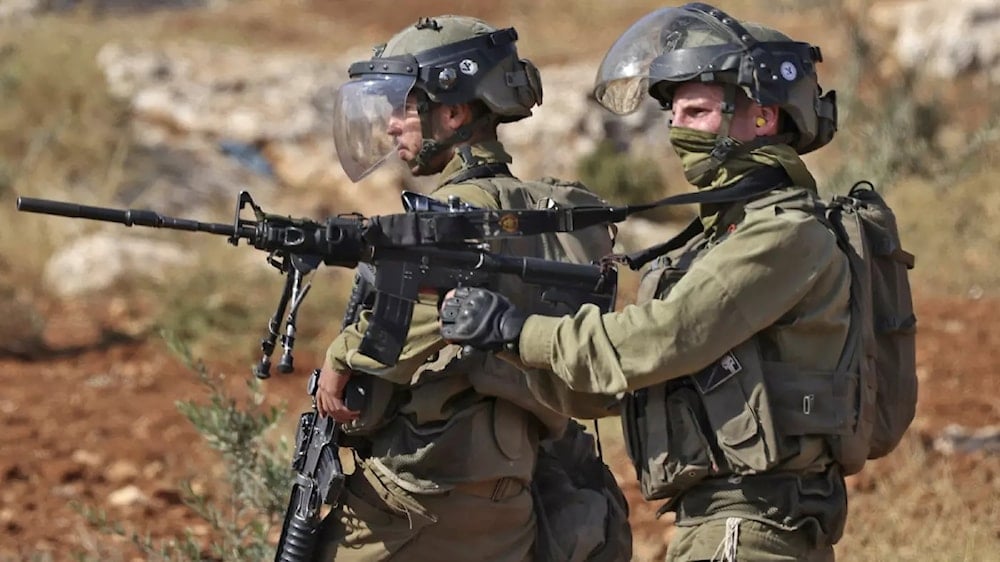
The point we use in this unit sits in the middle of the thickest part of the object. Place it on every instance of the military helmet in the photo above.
(460, 59)
(447, 60)
(697, 42)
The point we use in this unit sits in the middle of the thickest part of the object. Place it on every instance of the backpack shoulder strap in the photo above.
(636, 260)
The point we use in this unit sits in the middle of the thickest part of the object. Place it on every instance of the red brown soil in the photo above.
(101, 416)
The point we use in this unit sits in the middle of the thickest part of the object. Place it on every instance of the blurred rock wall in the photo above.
(210, 120)
(945, 38)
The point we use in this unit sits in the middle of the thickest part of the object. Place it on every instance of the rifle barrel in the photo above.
(128, 217)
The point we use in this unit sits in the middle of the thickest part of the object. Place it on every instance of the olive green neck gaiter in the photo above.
(694, 147)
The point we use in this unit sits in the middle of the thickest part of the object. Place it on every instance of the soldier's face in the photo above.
(404, 128)
(697, 105)
(408, 135)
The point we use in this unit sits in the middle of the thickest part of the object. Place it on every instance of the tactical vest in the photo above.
(744, 414)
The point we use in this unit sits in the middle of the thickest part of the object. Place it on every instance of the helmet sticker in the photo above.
(788, 71)
(469, 67)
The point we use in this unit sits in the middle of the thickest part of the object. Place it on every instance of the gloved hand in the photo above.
(481, 319)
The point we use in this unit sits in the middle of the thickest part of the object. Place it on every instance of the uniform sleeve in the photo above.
(740, 287)
(423, 339)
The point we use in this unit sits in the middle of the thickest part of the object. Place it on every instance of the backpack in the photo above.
(883, 324)
(582, 514)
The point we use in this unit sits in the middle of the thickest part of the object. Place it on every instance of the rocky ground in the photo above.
(93, 422)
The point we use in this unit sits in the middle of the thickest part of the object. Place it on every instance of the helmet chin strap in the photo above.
(430, 147)
(725, 145)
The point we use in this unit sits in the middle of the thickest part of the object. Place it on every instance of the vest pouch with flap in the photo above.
(665, 440)
(738, 410)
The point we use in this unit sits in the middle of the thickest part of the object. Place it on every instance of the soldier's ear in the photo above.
(454, 116)
(767, 122)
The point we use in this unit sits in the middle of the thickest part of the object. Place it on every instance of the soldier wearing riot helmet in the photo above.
(452, 437)
(434, 65)
(752, 303)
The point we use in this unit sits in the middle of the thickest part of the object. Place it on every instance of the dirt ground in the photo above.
(94, 422)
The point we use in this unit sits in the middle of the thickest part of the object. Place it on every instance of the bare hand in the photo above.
(330, 395)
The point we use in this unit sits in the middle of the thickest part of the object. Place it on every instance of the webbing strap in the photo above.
(636, 260)
(490, 170)
(434, 228)
(757, 183)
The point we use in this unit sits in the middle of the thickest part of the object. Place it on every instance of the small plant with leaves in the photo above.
(256, 482)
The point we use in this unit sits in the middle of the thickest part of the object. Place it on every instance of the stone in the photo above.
(956, 439)
(98, 261)
(946, 38)
(127, 496)
(121, 471)
(17, 11)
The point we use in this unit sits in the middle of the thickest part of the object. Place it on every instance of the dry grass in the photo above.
(917, 505)
(954, 229)
(60, 132)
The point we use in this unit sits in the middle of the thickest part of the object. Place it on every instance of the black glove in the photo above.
(481, 319)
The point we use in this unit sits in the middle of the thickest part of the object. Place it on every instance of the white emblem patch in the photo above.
(788, 71)
(468, 67)
(714, 375)
(730, 364)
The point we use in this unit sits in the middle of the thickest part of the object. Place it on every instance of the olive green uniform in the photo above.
(765, 274)
(449, 468)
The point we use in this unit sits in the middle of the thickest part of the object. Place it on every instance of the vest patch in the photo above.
(719, 372)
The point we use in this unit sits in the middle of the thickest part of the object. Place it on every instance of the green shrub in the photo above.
(623, 178)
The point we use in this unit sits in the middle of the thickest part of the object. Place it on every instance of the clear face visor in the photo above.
(672, 44)
(365, 110)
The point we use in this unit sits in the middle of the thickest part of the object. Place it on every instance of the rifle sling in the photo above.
(436, 228)
(756, 183)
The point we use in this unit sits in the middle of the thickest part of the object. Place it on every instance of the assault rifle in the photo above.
(430, 249)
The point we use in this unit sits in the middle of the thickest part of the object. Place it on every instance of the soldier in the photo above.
(733, 326)
(452, 438)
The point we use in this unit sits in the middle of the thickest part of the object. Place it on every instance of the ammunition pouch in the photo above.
(717, 422)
